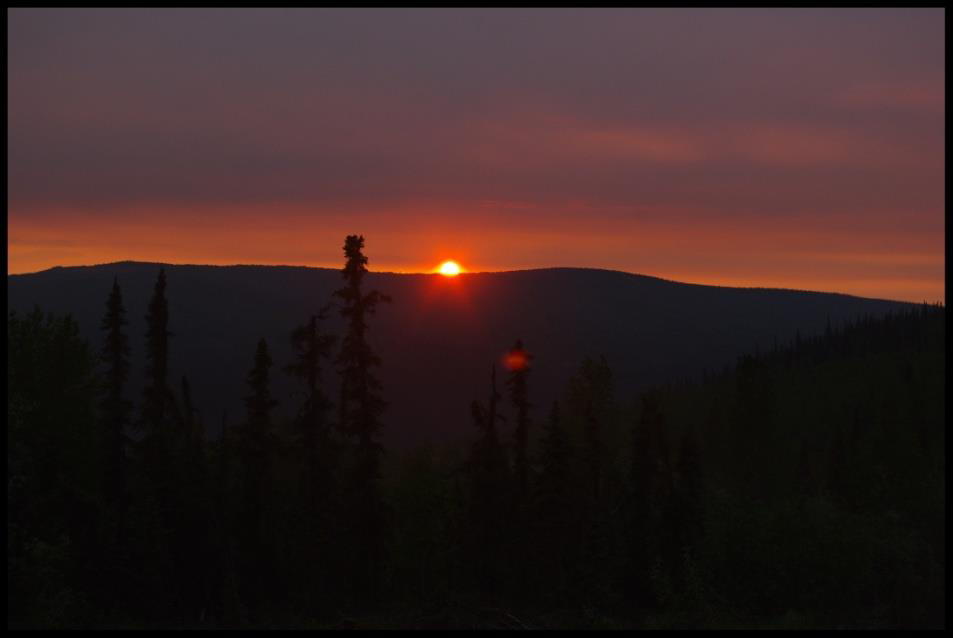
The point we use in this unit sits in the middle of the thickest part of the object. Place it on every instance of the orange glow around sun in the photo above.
(449, 268)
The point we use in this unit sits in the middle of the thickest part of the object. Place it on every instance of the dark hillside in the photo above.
(801, 487)
(440, 333)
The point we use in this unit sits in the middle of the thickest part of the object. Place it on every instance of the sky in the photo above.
(789, 148)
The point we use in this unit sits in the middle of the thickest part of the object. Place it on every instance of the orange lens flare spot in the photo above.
(516, 360)
(449, 268)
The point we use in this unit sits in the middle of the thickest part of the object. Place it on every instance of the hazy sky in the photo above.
(786, 148)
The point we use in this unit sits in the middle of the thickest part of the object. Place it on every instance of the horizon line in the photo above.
(481, 272)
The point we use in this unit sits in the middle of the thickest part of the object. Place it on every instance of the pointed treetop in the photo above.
(356, 264)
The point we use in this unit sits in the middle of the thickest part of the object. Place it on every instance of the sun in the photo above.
(449, 268)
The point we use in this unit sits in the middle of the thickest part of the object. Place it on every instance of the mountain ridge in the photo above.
(133, 262)
(439, 333)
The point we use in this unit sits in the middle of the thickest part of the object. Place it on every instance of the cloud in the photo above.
(404, 121)
(916, 97)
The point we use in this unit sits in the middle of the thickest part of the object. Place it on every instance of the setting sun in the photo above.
(449, 268)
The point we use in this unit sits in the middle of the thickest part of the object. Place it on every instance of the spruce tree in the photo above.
(317, 499)
(156, 393)
(257, 445)
(517, 361)
(590, 407)
(194, 507)
(311, 346)
(553, 483)
(226, 595)
(115, 409)
(360, 411)
(590, 402)
(554, 510)
(159, 514)
(259, 402)
(488, 512)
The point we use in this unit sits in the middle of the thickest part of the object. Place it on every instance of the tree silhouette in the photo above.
(517, 361)
(160, 521)
(114, 408)
(156, 393)
(318, 507)
(844, 524)
(590, 401)
(193, 507)
(54, 473)
(486, 537)
(687, 508)
(259, 402)
(225, 586)
(256, 452)
(555, 515)
(553, 484)
(360, 411)
(649, 499)
(311, 346)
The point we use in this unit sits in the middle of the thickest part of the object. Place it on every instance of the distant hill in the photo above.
(439, 336)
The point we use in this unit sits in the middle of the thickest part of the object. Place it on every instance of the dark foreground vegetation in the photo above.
(802, 488)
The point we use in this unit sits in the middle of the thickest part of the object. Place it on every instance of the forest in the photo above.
(801, 487)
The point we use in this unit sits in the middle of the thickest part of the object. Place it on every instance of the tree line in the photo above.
(751, 497)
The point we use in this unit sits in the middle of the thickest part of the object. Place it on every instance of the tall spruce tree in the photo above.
(317, 499)
(360, 411)
(311, 346)
(158, 511)
(156, 394)
(590, 407)
(590, 402)
(554, 519)
(517, 361)
(194, 508)
(225, 595)
(115, 409)
(257, 446)
(553, 484)
(488, 512)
